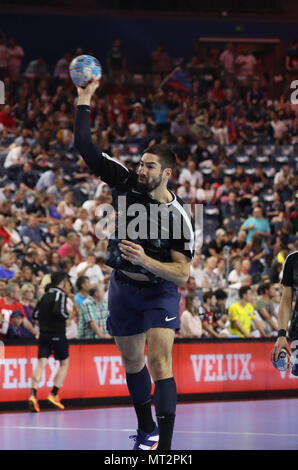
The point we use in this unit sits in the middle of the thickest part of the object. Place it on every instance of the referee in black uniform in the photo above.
(286, 314)
(143, 294)
(51, 314)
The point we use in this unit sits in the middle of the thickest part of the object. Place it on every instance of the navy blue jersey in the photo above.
(158, 228)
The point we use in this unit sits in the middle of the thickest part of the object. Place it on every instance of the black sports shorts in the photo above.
(49, 343)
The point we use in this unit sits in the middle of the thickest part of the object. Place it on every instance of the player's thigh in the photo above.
(160, 345)
(132, 350)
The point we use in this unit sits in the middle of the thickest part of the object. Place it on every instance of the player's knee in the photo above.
(160, 367)
(133, 364)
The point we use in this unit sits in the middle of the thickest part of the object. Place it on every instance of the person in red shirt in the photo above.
(216, 94)
(6, 118)
(71, 246)
(8, 304)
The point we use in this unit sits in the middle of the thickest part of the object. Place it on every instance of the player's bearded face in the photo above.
(146, 184)
(148, 174)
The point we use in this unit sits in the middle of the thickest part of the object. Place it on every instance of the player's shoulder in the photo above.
(291, 258)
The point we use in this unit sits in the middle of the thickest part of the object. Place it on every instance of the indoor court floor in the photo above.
(233, 425)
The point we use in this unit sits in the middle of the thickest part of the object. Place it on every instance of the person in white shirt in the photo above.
(90, 269)
(138, 129)
(187, 192)
(227, 58)
(235, 275)
(246, 63)
(82, 219)
(192, 175)
(16, 156)
(196, 269)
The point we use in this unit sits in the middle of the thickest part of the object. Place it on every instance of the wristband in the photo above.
(281, 333)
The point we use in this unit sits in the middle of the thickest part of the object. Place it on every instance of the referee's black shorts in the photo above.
(50, 343)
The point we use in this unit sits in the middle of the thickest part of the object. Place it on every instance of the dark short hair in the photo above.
(263, 288)
(243, 290)
(80, 281)
(164, 153)
(220, 294)
(57, 277)
(92, 291)
(207, 296)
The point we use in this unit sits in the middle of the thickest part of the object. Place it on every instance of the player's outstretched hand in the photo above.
(281, 343)
(89, 90)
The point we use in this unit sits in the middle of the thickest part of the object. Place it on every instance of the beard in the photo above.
(146, 187)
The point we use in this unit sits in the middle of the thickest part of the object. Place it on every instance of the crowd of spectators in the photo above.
(236, 150)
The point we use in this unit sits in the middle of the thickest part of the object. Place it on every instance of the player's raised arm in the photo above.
(109, 170)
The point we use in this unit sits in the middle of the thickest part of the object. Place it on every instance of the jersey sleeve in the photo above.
(102, 165)
(60, 308)
(183, 231)
(287, 278)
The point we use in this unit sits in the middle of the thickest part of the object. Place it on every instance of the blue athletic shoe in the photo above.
(144, 440)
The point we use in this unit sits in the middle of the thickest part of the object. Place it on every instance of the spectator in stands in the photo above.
(66, 207)
(27, 178)
(58, 189)
(31, 234)
(90, 269)
(180, 126)
(16, 157)
(227, 59)
(8, 304)
(220, 313)
(196, 268)
(187, 192)
(161, 62)
(256, 225)
(48, 179)
(215, 247)
(16, 55)
(190, 322)
(191, 174)
(200, 129)
(235, 276)
(82, 286)
(7, 119)
(265, 308)
(116, 61)
(37, 69)
(15, 327)
(71, 246)
(5, 267)
(210, 279)
(256, 253)
(61, 70)
(208, 320)
(245, 64)
(93, 315)
(27, 301)
(72, 310)
(242, 317)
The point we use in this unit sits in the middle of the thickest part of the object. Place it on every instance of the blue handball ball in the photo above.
(284, 361)
(82, 68)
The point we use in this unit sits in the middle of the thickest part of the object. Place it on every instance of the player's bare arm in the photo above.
(284, 315)
(176, 271)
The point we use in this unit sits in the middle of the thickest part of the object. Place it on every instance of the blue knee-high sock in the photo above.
(165, 399)
(139, 386)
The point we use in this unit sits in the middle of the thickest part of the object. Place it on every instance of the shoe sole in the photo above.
(54, 403)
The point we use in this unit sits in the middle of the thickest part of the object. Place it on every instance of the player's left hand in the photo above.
(132, 252)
